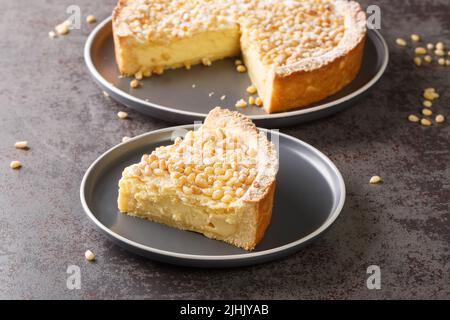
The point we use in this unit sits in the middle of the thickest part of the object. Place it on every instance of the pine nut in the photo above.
(400, 42)
(427, 104)
(251, 89)
(413, 118)
(122, 115)
(241, 104)
(91, 19)
(420, 50)
(375, 180)
(21, 145)
(241, 68)
(134, 83)
(415, 37)
(440, 118)
(89, 255)
(15, 164)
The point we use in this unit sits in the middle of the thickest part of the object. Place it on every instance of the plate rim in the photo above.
(228, 258)
(287, 114)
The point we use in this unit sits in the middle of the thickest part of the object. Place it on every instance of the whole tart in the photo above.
(219, 181)
(297, 52)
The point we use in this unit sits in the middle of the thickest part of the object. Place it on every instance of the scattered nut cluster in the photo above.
(424, 53)
(429, 94)
(23, 145)
(63, 28)
(212, 163)
(252, 101)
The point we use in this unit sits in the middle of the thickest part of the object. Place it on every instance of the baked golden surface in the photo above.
(296, 51)
(219, 181)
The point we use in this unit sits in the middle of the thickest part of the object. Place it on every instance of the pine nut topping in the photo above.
(428, 58)
(258, 102)
(217, 194)
(425, 122)
(441, 61)
(222, 172)
(237, 62)
(427, 112)
(227, 198)
(251, 100)
(430, 46)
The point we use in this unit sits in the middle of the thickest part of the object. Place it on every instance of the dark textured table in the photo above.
(48, 98)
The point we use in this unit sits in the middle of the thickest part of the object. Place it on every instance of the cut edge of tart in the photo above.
(218, 181)
(296, 52)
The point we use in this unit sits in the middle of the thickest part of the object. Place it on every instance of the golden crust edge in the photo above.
(288, 92)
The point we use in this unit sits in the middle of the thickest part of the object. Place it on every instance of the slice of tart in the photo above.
(296, 51)
(219, 181)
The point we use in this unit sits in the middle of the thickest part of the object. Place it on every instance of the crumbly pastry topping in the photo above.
(219, 163)
(281, 32)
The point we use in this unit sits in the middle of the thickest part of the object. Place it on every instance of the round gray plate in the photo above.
(172, 97)
(309, 196)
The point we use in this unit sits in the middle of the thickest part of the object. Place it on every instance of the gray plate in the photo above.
(171, 96)
(309, 197)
